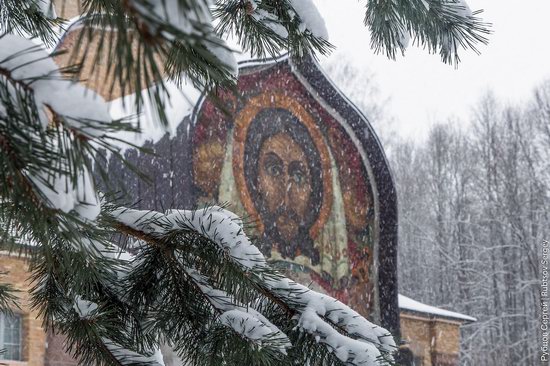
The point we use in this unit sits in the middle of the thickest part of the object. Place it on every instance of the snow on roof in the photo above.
(406, 303)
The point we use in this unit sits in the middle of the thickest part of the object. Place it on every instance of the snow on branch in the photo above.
(270, 21)
(321, 314)
(63, 195)
(88, 312)
(46, 7)
(460, 8)
(131, 358)
(66, 111)
(190, 24)
(31, 67)
(244, 320)
(352, 338)
(215, 223)
(251, 327)
(84, 308)
(169, 17)
(305, 11)
(346, 349)
(310, 18)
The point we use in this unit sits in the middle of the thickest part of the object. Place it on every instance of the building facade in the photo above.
(21, 333)
(431, 336)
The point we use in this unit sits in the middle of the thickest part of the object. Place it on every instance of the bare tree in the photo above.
(473, 213)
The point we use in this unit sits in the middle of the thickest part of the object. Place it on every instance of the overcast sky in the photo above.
(423, 89)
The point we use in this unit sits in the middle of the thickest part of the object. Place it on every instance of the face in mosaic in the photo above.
(284, 180)
(300, 181)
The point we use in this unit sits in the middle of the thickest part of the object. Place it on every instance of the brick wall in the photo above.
(416, 332)
(434, 342)
(68, 8)
(34, 338)
(55, 354)
(96, 72)
(447, 337)
(39, 349)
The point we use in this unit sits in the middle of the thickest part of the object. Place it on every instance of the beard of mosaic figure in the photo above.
(285, 181)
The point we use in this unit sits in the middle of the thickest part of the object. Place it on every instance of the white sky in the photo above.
(423, 89)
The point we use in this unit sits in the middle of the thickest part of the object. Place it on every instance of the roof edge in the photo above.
(408, 305)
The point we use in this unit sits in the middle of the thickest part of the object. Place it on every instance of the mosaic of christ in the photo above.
(300, 183)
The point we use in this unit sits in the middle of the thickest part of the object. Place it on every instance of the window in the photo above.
(10, 337)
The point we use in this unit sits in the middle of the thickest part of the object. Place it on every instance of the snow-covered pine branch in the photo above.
(88, 313)
(50, 128)
(265, 28)
(350, 337)
(33, 18)
(442, 27)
